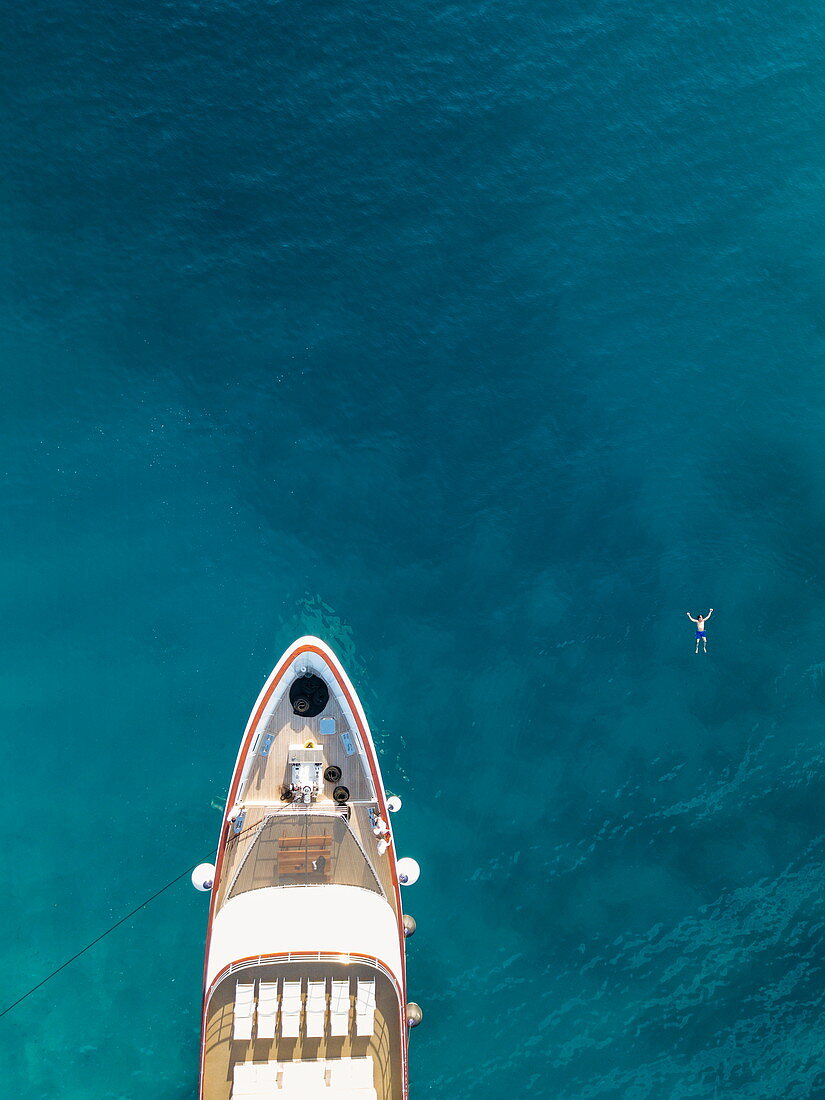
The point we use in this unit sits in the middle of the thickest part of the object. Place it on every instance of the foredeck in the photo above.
(289, 729)
(261, 803)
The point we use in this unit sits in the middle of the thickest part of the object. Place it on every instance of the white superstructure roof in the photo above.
(339, 920)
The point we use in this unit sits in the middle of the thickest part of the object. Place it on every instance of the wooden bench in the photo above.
(296, 854)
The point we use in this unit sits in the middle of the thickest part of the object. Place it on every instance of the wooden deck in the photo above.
(222, 1052)
(287, 729)
(261, 799)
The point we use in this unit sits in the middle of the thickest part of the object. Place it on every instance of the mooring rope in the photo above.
(238, 837)
(97, 939)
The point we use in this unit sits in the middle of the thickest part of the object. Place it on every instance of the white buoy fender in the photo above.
(414, 1014)
(408, 871)
(203, 877)
(394, 803)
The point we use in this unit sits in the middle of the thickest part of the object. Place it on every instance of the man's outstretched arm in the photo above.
(691, 617)
(708, 614)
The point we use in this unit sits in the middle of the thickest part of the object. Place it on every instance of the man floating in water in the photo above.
(700, 628)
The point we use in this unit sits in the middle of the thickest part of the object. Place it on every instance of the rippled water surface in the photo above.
(483, 340)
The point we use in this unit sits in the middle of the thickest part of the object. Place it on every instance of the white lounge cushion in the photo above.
(351, 1073)
(244, 1010)
(339, 1006)
(291, 1010)
(298, 1092)
(254, 1079)
(267, 1010)
(349, 1094)
(267, 1093)
(316, 1008)
(365, 1006)
(320, 1094)
(308, 1076)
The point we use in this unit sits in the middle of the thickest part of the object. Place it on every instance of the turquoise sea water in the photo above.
(483, 340)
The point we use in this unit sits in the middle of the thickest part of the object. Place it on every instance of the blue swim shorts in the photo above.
(700, 634)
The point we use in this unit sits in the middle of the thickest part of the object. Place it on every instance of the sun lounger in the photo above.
(298, 1092)
(316, 1008)
(291, 1010)
(351, 1074)
(254, 1079)
(308, 1077)
(365, 1007)
(244, 1010)
(339, 1008)
(267, 1010)
(362, 1073)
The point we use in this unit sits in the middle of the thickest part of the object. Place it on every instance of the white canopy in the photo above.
(337, 920)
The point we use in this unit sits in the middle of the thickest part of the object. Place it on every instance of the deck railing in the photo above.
(302, 957)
